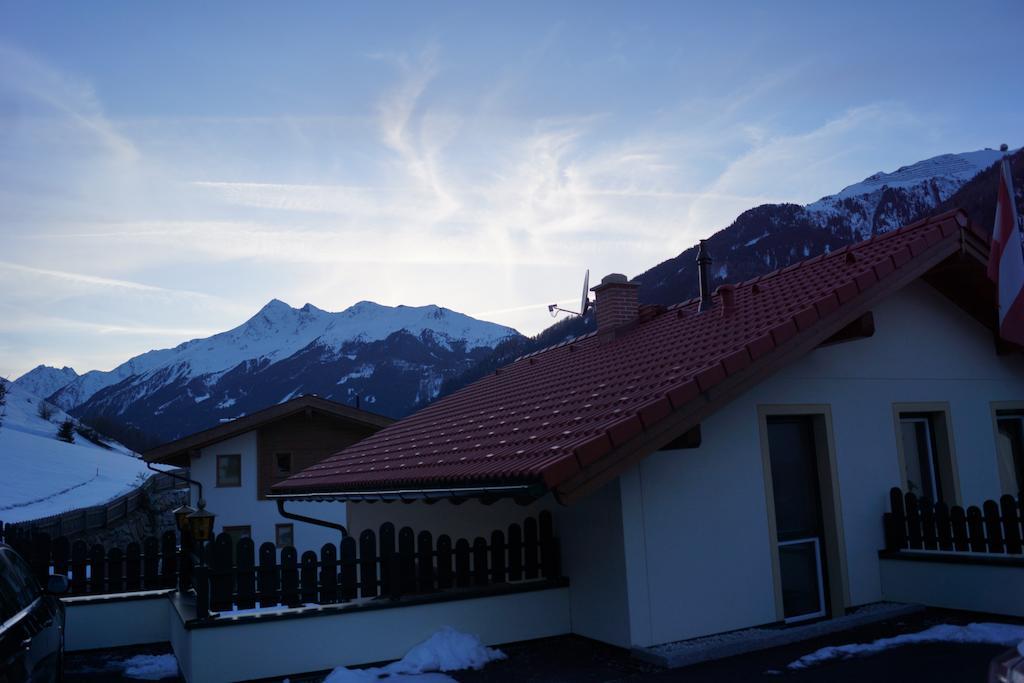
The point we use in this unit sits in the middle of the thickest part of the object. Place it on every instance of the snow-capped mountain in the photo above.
(393, 358)
(44, 476)
(44, 380)
(774, 235)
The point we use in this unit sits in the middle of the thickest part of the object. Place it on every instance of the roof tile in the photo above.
(546, 416)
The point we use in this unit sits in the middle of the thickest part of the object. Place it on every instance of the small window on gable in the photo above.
(229, 470)
(927, 459)
(284, 535)
(1010, 450)
(284, 462)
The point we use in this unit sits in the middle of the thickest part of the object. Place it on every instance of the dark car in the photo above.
(31, 622)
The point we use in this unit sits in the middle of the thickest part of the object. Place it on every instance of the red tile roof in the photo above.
(555, 417)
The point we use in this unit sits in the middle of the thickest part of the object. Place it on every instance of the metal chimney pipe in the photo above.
(704, 274)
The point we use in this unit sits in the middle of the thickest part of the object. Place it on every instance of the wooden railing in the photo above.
(919, 524)
(228, 576)
(377, 565)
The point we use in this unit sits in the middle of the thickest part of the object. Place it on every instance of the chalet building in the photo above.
(237, 462)
(718, 464)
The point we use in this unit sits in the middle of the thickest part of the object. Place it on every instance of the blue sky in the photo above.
(166, 169)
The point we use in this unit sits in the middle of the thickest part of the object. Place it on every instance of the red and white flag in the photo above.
(1006, 261)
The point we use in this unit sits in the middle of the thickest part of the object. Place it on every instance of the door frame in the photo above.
(831, 502)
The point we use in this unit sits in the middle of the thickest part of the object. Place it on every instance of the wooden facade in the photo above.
(307, 438)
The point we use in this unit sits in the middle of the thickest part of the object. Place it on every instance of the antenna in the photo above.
(585, 302)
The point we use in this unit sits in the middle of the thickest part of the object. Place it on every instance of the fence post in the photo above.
(1011, 524)
(308, 577)
(425, 561)
(289, 577)
(328, 574)
(350, 568)
(245, 574)
(368, 564)
(993, 527)
(269, 584)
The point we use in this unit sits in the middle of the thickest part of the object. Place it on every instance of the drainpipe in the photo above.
(310, 520)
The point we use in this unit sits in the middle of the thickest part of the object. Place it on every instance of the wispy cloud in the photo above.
(97, 281)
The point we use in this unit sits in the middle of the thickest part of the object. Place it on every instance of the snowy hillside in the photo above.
(43, 380)
(43, 476)
(391, 359)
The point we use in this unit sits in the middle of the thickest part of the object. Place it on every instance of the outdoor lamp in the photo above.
(181, 516)
(200, 523)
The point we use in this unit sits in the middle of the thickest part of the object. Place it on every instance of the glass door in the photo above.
(798, 516)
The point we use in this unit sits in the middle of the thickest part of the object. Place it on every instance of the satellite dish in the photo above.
(585, 302)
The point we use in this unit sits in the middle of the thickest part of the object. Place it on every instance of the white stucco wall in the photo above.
(695, 522)
(466, 520)
(239, 506)
(93, 622)
(259, 649)
(994, 588)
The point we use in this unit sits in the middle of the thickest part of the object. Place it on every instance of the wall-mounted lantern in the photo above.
(200, 523)
(181, 516)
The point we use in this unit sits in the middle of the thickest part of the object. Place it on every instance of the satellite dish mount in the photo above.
(585, 302)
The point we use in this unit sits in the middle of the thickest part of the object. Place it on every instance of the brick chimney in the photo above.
(616, 301)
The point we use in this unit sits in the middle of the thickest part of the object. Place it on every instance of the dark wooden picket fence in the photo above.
(95, 570)
(229, 576)
(387, 564)
(919, 524)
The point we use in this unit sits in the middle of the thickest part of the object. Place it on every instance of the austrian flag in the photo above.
(1006, 261)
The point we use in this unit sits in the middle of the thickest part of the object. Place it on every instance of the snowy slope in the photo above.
(278, 331)
(43, 380)
(43, 476)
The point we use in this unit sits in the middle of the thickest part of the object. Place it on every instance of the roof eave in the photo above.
(493, 492)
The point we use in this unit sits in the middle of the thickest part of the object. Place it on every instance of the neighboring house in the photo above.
(726, 462)
(237, 462)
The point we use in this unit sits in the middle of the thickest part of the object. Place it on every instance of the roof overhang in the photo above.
(519, 492)
(178, 451)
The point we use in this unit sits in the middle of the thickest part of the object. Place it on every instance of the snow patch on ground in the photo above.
(446, 650)
(987, 633)
(149, 667)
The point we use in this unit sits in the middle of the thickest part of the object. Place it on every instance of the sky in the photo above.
(168, 168)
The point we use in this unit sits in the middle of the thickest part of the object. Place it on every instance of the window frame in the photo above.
(943, 443)
(1006, 487)
(278, 528)
(220, 482)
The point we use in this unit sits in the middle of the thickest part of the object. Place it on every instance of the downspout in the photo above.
(309, 520)
(179, 477)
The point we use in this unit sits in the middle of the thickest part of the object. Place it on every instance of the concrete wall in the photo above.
(593, 554)
(109, 621)
(994, 588)
(239, 505)
(695, 522)
(257, 649)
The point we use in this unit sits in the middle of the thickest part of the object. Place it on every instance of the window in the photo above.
(1010, 450)
(284, 535)
(229, 470)
(284, 463)
(927, 460)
